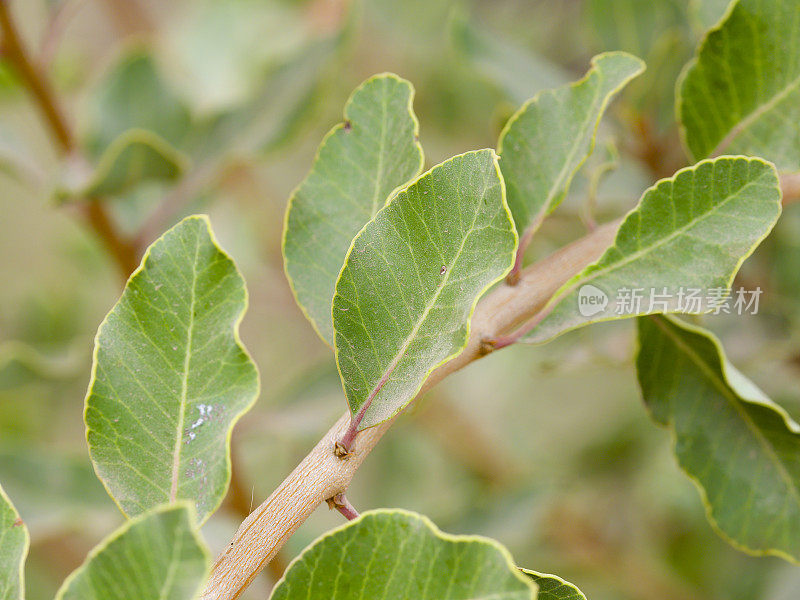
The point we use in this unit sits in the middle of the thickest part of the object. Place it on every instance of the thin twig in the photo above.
(92, 210)
(322, 475)
(342, 504)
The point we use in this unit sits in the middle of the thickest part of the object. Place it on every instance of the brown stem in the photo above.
(121, 250)
(322, 475)
(93, 210)
(38, 85)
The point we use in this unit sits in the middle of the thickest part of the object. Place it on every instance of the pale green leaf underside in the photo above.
(359, 163)
(545, 143)
(398, 555)
(741, 449)
(741, 94)
(552, 587)
(411, 280)
(14, 542)
(170, 376)
(156, 556)
(134, 96)
(691, 231)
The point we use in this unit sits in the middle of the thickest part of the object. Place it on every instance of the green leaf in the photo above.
(545, 143)
(738, 446)
(134, 96)
(156, 556)
(394, 554)
(690, 231)
(741, 94)
(170, 376)
(14, 543)
(412, 278)
(222, 47)
(552, 587)
(357, 166)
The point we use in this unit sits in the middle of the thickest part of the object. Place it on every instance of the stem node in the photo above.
(342, 504)
(340, 451)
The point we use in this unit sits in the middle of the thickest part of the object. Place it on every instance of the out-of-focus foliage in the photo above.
(546, 449)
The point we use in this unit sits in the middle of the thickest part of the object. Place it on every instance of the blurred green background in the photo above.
(547, 449)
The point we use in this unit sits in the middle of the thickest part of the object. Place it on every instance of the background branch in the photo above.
(92, 210)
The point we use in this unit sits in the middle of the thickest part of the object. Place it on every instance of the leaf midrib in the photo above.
(176, 458)
(754, 115)
(735, 403)
(428, 307)
(559, 182)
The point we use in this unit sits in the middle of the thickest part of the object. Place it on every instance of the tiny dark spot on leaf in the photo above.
(443, 270)
(348, 125)
(17, 523)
